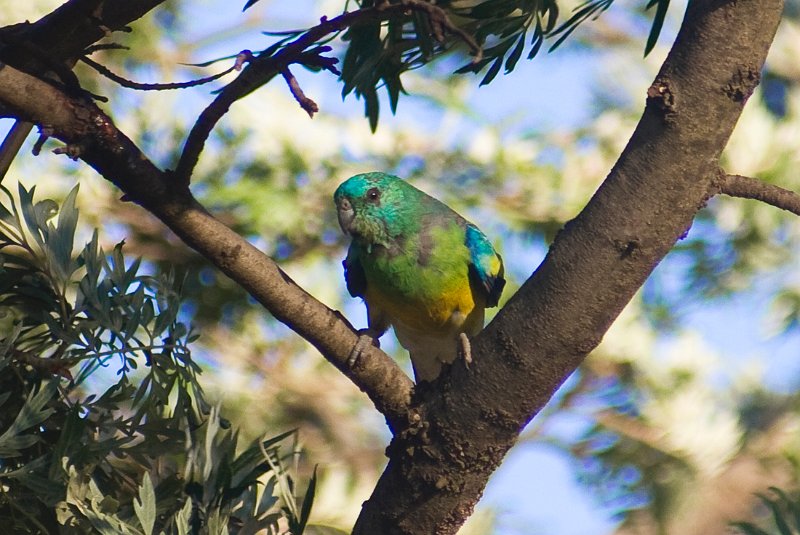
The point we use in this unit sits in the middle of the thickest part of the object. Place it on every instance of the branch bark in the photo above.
(747, 187)
(92, 136)
(437, 469)
(262, 68)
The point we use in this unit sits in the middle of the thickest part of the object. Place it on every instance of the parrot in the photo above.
(420, 268)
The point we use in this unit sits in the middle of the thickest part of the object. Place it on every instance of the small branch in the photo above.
(130, 84)
(11, 145)
(81, 124)
(306, 103)
(263, 68)
(753, 188)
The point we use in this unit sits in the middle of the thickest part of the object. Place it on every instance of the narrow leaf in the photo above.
(513, 58)
(308, 500)
(749, 529)
(658, 23)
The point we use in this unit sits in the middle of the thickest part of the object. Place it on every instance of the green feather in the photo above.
(418, 264)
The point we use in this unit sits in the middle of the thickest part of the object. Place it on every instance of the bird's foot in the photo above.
(465, 349)
(366, 338)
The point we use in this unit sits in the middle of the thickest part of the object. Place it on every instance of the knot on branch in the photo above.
(742, 84)
(661, 98)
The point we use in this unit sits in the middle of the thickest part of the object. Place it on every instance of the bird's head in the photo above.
(370, 207)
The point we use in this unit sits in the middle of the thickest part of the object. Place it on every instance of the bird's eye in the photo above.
(373, 194)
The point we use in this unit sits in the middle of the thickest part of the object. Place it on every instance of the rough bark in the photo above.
(458, 429)
(437, 470)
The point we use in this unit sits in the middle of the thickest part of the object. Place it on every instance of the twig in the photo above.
(306, 103)
(81, 123)
(752, 188)
(264, 67)
(11, 145)
(104, 46)
(130, 84)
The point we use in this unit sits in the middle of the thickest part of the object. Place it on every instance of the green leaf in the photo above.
(308, 500)
(658, 23)
(145, 506)
(183, 517)
(32, 414)
(748, 528)
(777, 514)
(61, 243)
(372, 108)
(581, 13)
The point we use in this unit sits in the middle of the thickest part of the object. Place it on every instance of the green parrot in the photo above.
(420, 268)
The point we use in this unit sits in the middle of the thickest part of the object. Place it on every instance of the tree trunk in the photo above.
(462, 426)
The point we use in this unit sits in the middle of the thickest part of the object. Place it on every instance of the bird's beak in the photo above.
(346, 214)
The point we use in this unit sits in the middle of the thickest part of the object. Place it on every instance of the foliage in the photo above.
(784, 510)
(146, 454)
(379, 52)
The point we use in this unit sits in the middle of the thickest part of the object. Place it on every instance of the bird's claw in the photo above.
(465, 349)
(366, 338)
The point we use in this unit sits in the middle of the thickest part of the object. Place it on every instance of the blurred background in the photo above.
(687, 408)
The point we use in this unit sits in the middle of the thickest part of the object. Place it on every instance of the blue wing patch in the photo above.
(354, 273)
(486, 264)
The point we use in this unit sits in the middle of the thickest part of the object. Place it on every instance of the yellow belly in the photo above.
(450, 311)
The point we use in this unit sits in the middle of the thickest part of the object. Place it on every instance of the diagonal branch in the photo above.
(594, 267)
(752, 188)
(308, 105)
(92, 136)
(262, 68)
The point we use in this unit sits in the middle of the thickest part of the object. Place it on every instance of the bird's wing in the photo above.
(486, 266)
(354, 273)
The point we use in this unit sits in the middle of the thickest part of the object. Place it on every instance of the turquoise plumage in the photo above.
(419, 266)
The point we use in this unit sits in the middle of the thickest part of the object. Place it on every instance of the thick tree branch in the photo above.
(92, 136)
(263, 67)
(438, 469)
(57, 40)
(753, 188)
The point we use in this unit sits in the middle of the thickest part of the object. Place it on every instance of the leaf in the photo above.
(308, 500)
(493, 70)
(792, 504)
(516, 53)
(777, 514)
(183, 517)
(537, 41)
(658, 23)
(749, 529)
(371, 108)
(581, 13)
(145, 506)
(244, 467)
(63, 239)
(249, 4)
(32, 414)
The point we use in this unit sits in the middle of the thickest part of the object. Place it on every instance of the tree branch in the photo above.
(139, 86)
(92, 136)
(308, 105)
(753, 188)
(468, 421)
(264, 66)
